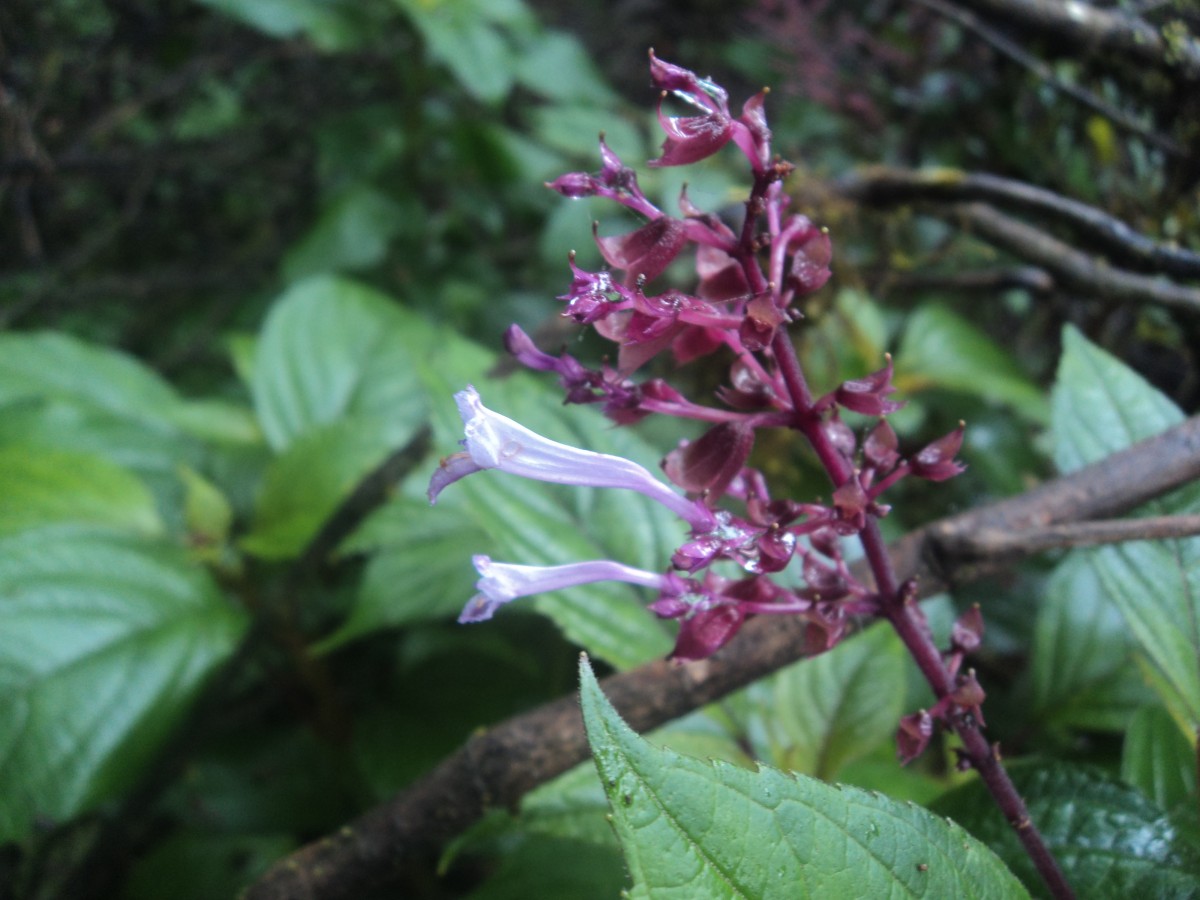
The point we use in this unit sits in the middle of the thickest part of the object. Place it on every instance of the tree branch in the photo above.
(1074, 268)
(1095, 28)
(993, 542)
(1042, 70)
(884, 186)
(496, 767)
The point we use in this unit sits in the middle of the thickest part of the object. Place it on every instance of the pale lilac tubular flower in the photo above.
(500, 583)
(494, 441)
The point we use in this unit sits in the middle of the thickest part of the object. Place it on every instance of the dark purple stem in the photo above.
(896, 606)
(900, 613)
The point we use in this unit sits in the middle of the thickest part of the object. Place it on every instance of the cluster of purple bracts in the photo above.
(744, 553)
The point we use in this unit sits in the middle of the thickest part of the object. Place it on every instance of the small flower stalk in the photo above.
(741, 552)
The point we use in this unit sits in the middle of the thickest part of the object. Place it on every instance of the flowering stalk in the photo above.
(726, 508)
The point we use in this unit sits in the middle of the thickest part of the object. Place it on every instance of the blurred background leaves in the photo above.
(250, 249)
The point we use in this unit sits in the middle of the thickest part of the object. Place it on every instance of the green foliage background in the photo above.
(251, 250)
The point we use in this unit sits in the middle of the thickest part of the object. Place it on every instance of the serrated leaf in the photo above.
(1157, 588)
(463, 35)
(698, 829)
(940, 349)
(556, 66)
(839, 706)
(105, 640)
(1084, 673)
(1110, 841)
(39, 486)
(324, 23)
(149, 451)
(1159, 759)
(331, 348)
(304, 485)
(419, 567)
(54, 366)
(1101, 406)
(352, 233)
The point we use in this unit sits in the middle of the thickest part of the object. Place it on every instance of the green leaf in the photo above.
(847, 342)
(1084, 672)
(106, 639)
(699, 829)
(419, 566)
(325, 23)
(1157, 588)
(53, 366)
(556, 66)
(1110, 841)
(942, 350)
(839, 706)
(332, 348)
(206, 512)
(572, 128)
(304, 485)
(219, 422)
(1100, 407)
(1159, 759)
(352, 233)
(464, 36)
(39, 486)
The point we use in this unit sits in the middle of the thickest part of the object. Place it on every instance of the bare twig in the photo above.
(996, 542)
(884, 186)
(1038, 67)
(1074, 268)
(498, 766)
(1086, 25)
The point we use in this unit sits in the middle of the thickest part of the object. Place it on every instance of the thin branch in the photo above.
(496, 767)
(884, 186)
(1086, 25)
(995, 542)
(1038, 67)
(985, 281)
(1074, 268)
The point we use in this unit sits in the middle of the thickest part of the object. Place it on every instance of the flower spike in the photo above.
(494, 441)
(501, 583)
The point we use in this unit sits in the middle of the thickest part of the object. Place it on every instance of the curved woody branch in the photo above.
(496, 767)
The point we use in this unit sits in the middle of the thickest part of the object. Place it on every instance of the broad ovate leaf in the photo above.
(39, 486)
(1160, 760)
(1100, 407)
(691, 829)
(53, 366)
(304, 485)
(840, 705)
(1084, 672)
(330, 349)
(1109, 839)
(105, 638)
(940, 349)
(418, 566)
